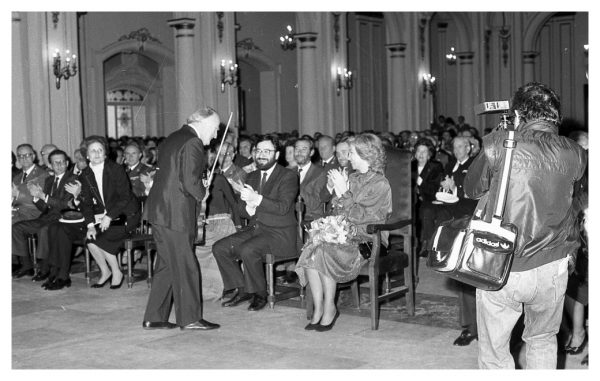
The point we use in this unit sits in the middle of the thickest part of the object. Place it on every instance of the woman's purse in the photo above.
(474, 251)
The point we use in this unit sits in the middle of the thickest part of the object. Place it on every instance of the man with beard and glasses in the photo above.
(267, 201)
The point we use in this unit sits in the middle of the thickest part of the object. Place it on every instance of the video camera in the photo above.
(496, 107)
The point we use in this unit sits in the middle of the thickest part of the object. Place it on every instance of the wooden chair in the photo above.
(276, 293)
(400, 253)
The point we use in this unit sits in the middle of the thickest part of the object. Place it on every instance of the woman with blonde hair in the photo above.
(361, 198)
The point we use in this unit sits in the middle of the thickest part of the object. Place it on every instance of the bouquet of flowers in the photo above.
(331, 229)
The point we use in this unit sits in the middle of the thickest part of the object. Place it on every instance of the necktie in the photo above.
(262, 182)
(54, 186)
(300, 173)
(24, 177)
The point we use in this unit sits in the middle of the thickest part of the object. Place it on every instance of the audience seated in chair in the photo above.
(50, 199)
(267, 201)
(363, 198)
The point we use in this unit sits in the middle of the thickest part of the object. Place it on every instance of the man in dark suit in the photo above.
(22, 204)
(135, 169)
(50, 200)
(171, 208)
(455, 173)
(267, 201)
(326, 148)
(312, 180)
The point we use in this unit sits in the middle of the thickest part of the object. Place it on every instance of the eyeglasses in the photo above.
(267, 151)
(25, 156)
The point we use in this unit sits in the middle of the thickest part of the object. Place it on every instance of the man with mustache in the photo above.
(267, 201)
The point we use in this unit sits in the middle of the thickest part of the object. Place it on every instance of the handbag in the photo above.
(474, 251)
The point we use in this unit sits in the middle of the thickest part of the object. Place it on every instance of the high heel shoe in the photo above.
(312, 326)
(100, 285)
(323, 328)
(577, 350)
(117, 286)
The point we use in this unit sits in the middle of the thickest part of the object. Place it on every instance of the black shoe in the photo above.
(117, 286)
(21, 273)
(158, 325)
(258, 303)
(48, 282)
(465, 338)
(311, 326)
(40, 277)
(323, 328)
(201, 324)
(59, 284)
(586, 360)
(237, 299)
(576, 350)
(100, 285)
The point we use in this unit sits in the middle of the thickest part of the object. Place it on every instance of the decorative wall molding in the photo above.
(141, 35)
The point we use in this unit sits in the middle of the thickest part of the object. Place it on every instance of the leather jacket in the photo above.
(544, 169)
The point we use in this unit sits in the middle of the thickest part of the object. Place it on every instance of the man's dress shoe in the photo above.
(21, 273)
(201, 324)
(237, 299)
(48, 282)
(40, 277)
(59, 284)
(258, 303)
(465, 338)
(158, 325)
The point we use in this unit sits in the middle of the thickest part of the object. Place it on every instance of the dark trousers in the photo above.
(467, 307)
(21, 230)
(60, 254)
(249, 246)
(176, 278)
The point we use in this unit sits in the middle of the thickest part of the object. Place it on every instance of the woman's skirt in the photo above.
(338, 262)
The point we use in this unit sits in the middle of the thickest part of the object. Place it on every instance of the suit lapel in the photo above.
(272, 179)
(310, 175)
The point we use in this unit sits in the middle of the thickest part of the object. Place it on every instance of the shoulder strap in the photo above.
(509, 145)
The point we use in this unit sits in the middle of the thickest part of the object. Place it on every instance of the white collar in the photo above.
(306, 166)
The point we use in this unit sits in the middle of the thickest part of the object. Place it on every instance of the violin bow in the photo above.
(210, 175)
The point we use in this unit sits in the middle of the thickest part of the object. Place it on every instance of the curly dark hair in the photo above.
(536, 101)
(427, 143)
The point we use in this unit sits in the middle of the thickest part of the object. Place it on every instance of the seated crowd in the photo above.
(251, 208)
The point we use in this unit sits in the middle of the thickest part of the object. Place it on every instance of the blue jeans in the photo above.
(540, 293)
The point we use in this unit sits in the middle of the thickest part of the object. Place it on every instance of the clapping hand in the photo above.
(35, 190)
(105, 223)
(74, 188)
(339, 180)
(248, 194)
(15, 191)
(236, 185)
(448, 184)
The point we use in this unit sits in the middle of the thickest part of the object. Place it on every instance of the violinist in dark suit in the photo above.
(426, 176)
(267, 201)
(50, 200)
(110, 210)
(171, 209)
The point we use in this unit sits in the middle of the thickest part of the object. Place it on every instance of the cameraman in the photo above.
(544, 168)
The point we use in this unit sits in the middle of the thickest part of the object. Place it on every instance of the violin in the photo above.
(201, 239)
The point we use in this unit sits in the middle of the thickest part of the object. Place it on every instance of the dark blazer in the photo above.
(137, 186)
(310, 190)
(276, 213)
(57, 202)
(24, 202)
(116, 189)
(458, 175)
(432, 174)
(178, 187)
(332, 164)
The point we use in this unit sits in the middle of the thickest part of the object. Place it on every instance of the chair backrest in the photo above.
(398, 173)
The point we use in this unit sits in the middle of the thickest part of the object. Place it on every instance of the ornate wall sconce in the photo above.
(428, 84)
(66, 70)
(451, 57)
(229, 74)
(288, 42)
(343, 80)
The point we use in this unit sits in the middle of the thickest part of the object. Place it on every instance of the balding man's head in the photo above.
(45, 151)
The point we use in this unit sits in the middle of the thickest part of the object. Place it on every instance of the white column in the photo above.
(467, 86)
(397, 90)
(308, 84)
(184, 66)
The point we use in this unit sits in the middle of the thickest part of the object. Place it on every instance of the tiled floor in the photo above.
(84, 328)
